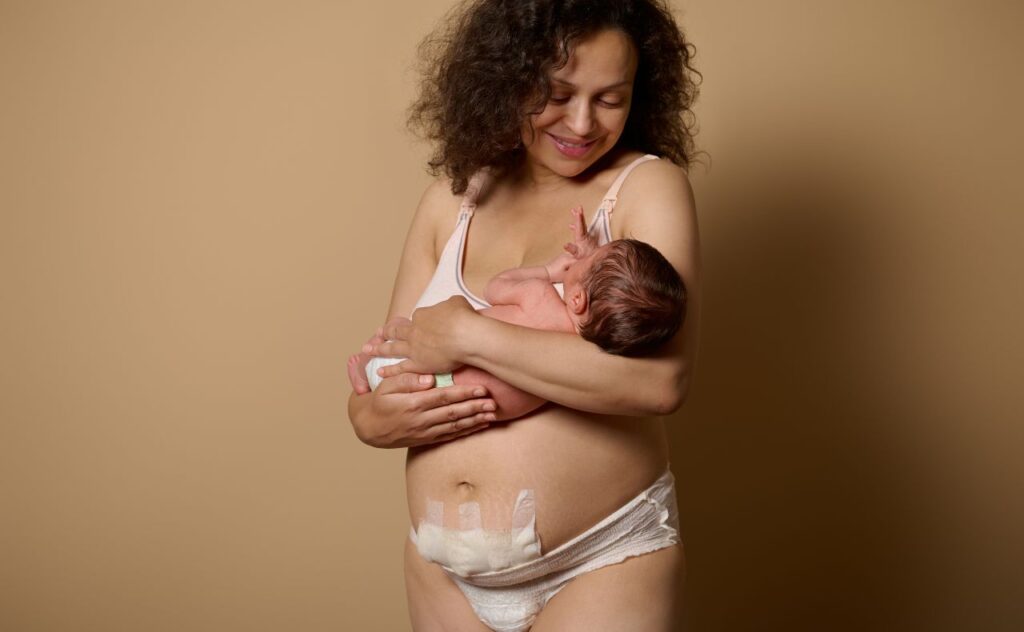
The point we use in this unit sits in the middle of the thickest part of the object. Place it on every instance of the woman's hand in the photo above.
(407, 411)
(430, 342)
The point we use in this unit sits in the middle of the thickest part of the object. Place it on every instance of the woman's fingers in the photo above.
(464, 405)
(376, 338)
(461, 414)
(406, 383)
(459, 426)
(369, 348)
(444, 432)
(391, 370)
(389, 349)
(393, 321)
(441, 399)
(397, 329)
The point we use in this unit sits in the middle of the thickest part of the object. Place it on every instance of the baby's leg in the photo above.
(510, 401)
(357, 373)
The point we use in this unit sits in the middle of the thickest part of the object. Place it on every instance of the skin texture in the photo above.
(601, 441)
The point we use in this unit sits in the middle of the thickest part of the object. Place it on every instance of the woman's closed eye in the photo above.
(608, 102)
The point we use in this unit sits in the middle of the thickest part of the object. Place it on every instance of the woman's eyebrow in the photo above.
(624, 82)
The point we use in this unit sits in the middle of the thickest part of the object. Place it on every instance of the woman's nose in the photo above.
(580, 118)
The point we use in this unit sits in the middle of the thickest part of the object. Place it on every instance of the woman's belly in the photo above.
(581, 467)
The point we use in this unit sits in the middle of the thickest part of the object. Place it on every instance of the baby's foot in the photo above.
(357, 373)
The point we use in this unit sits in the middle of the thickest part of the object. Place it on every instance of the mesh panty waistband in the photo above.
(649, 519)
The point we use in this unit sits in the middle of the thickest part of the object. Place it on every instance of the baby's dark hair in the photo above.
(637, 299)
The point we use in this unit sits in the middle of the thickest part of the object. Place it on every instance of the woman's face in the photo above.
(590, 99)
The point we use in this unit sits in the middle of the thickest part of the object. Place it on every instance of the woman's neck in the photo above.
(540, 179)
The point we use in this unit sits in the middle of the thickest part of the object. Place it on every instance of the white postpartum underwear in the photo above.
(504, 575)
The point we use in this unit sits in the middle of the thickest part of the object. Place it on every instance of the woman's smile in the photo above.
(572, 148)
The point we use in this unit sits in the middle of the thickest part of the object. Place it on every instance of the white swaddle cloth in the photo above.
(440, 379)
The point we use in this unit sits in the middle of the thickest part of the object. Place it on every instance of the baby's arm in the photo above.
(516, 286)
(518, 296)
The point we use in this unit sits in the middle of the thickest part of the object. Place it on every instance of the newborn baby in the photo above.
(623, 296)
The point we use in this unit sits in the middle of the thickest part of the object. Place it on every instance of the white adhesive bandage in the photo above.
(471, 549)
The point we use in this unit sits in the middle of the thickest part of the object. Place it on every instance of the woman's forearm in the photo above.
(570, 371)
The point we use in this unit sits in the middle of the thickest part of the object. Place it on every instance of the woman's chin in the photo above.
(570, 167)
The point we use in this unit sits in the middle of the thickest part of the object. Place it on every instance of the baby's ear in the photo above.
(578, 301)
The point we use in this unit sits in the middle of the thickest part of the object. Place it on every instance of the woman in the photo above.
(535, 107)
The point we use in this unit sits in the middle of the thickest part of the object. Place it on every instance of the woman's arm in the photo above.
(406, 410)
(656, 206)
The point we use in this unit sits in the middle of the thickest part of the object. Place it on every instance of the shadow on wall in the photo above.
(790, 490)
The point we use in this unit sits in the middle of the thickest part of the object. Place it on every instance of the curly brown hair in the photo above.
(637, 299)
(486, 70)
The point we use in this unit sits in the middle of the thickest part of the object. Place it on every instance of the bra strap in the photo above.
(613, 192)
(476, 183)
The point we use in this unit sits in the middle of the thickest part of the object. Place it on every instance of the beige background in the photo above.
(202, 209)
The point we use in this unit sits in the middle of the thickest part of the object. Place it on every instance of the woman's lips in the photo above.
(572, 149)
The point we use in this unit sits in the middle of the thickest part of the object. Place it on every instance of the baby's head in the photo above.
(627, 299)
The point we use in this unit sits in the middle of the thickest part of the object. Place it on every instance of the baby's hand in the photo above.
(558, 266)
(582, 244)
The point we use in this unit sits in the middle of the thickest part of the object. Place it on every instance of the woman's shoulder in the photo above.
(650, 171)
(656, 196)
(438, 206)
(438, 195)
(656, 180)
(436, 214)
